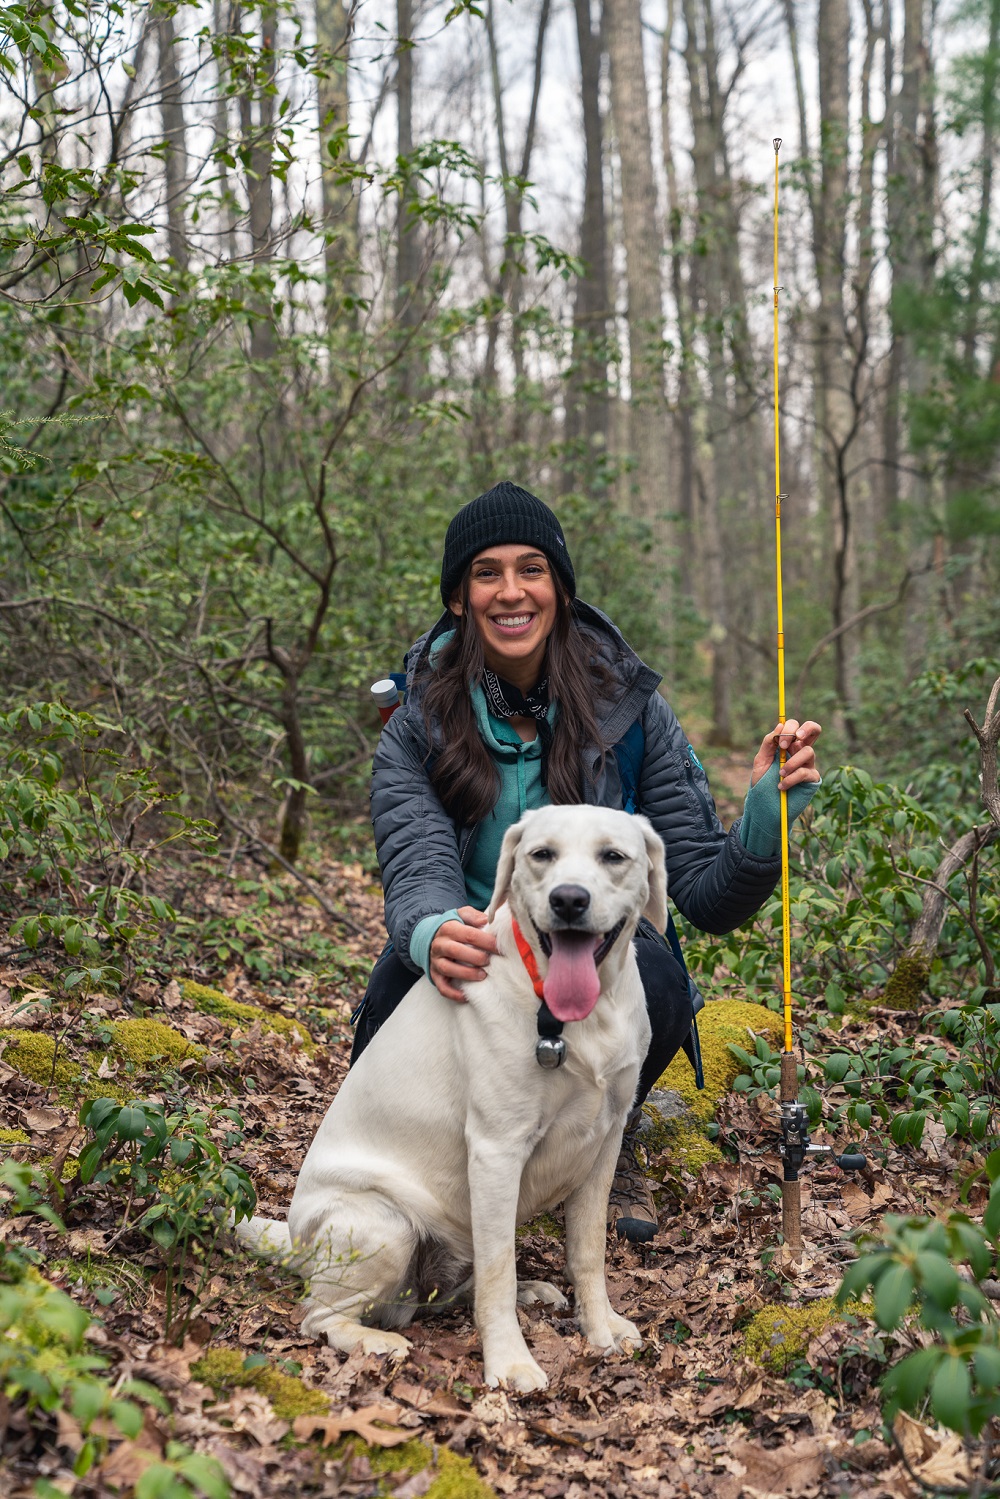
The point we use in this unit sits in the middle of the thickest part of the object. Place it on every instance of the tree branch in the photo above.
(848, 624)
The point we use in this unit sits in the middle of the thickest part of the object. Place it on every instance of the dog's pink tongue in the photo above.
(572, 985)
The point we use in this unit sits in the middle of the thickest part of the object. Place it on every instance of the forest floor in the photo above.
(688, 1414)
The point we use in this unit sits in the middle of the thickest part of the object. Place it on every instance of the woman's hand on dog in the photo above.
(460, 952)
(797, 739)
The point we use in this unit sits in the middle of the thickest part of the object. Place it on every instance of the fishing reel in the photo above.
(796, 1147)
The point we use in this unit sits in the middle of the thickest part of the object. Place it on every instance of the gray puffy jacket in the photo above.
(712, 879)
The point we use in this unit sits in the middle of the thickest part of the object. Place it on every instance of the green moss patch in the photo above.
(32, 1053)
(685, 1140)
(719, 1023)
(691, 1148)
(907, 984)
(14, 1137)
(779, 1335)
(232, 1012)
(544, 1224)
(142, 1042)
(457, 1478)
(223, 1369)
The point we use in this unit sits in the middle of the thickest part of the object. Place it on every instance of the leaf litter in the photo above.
(686, 1415)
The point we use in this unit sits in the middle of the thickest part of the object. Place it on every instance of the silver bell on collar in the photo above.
(550, 1052)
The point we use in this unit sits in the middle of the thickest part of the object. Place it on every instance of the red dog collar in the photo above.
(550, 1051)
(528, 959)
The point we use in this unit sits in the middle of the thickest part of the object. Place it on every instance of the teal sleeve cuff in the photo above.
(423, 935)
(760, 825)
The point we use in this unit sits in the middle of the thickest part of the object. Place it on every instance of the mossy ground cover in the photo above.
(235, 1013)
(225, 1369)
(719, 1023)
(69, 1063)
(455, 1477)
(682, 1134)
(779, 1335)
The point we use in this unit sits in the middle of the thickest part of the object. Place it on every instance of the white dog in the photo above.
(447, 1133)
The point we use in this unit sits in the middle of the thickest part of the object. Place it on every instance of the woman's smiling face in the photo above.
(513, 604)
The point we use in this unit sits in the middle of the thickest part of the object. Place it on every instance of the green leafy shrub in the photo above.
(861, 852)
(915, 1273)
(47, 1367)
(74, 841)
(951, 1076)
(171, 1165)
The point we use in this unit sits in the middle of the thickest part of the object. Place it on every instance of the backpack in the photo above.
(629, 753)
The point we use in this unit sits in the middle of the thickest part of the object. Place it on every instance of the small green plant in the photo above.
(73, 813)
(169, 1163)
(916, 1272)
(47, 1367)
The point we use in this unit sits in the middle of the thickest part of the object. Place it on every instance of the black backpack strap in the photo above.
(628, 753)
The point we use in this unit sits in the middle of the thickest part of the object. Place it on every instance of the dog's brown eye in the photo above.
(613, 856)
(543, 855)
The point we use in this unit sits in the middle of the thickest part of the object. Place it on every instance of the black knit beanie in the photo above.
(505, 513)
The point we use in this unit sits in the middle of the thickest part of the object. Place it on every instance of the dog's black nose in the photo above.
(569, 901)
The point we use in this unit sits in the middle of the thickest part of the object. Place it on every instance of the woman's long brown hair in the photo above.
(462, 772)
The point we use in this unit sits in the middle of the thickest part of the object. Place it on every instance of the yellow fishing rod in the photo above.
(795, 1144)
(786, 936)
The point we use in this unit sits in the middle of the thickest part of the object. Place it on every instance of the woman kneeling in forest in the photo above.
(522, 695)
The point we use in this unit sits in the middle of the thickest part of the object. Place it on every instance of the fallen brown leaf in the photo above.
(427, 1402)
(86, 1241)
(768, 1473)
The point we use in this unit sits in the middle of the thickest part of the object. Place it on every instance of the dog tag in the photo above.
(550, 1052)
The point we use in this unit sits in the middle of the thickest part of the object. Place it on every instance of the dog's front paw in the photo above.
(531, 1291)
(377, 1340)
(613, 1334)
(523, 1376)
(627, 1337)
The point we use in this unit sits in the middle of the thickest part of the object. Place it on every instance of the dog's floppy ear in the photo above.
(656, 905)
(505, 866)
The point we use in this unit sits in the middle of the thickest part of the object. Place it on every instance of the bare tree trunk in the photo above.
(257, 142)
(909, 977)
(334, 26)
(222, 144)
(407, 241)
(911, 168)
(175, 168)
(686, 392)
(648, 417)
(835, 401)
(510, 282)
(729, 422)
(988, 106)
(587, 410)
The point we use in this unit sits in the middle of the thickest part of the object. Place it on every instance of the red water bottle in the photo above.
(386, 696)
